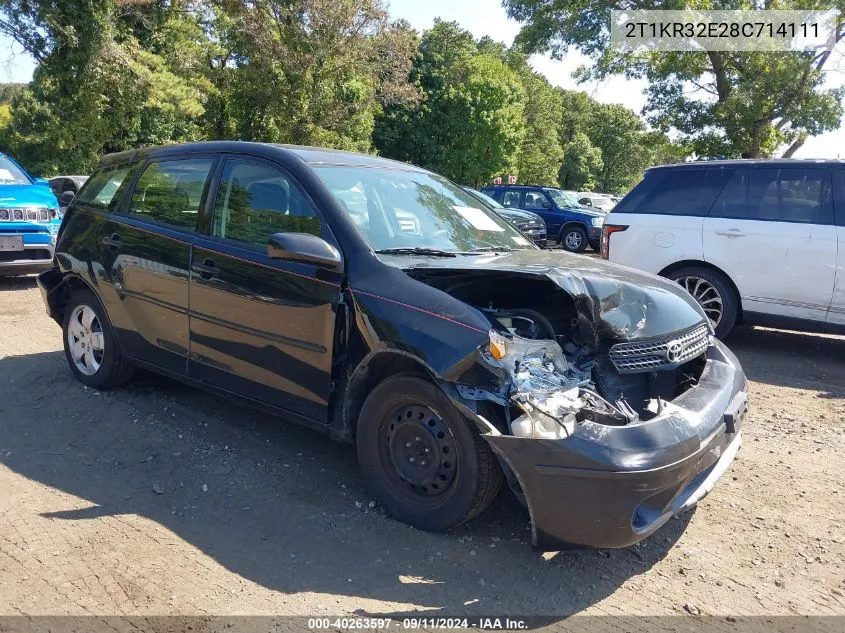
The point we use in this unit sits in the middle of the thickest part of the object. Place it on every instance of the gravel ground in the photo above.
(160, 499)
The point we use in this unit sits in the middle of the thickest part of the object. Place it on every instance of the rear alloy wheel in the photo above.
(85, 340)
(713, 293)
(90, 346)
(574, 239)
(420, 458)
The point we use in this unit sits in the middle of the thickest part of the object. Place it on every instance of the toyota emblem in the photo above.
(673, 351)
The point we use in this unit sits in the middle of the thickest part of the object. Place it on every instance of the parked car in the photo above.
(29, 221)
(434, 346)
(529, 224)
(573, 227)
(758, 242)
(65, 188)
(596, 201)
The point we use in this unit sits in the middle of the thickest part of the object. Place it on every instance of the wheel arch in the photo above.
(570, 223)
(689, 263)
(59, 296)
(371, 371)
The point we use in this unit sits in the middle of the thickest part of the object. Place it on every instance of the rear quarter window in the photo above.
(690, 191)
(104, 189)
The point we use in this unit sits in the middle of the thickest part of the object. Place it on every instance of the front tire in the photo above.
(714, 294)
(420, 458)
(90, 345)
(574, 239)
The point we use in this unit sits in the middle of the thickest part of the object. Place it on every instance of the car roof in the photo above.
(308, 155)
(778, 162)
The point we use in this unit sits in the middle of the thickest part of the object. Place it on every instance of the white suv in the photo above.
(759, 242)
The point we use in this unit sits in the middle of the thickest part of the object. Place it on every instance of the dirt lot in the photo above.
(160, 499)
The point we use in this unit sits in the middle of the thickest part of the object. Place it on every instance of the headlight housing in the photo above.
(599, 221)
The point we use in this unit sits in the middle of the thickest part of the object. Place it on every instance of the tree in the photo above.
(315, 72)
(110, 76)
(469, 121)
(581, 162)
(737, 103)
(541, 153)
(618, 134)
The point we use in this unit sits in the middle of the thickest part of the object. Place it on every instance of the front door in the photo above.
(771, 230)
(260, 327)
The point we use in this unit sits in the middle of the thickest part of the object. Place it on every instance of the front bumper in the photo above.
(607, 486)
(34, 258)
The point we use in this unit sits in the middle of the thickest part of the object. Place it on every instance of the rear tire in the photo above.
(421, 459)
(90, 345)
(574, 239)
(714, 294)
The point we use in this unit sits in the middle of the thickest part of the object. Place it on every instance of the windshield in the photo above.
(11, 174)
(490, 202)
(396, 209)
(562, 199)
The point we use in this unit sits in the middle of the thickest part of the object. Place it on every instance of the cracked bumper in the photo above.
(607, 486)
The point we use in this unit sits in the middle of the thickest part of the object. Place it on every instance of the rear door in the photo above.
(772, 232)
(146, 249)
(836, 312)
(664, 216)
(260, 327)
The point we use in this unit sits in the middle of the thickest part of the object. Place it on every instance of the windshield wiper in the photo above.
(488, 249)
(415, 250)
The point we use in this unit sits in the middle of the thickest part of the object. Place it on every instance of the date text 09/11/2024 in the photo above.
(363, 623)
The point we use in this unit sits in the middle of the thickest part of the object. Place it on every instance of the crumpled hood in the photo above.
(27, 196)
(614, 302)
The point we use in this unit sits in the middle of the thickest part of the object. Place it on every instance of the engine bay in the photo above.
(558, 376)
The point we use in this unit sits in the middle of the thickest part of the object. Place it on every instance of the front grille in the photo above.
(663, 353)
(33, 214)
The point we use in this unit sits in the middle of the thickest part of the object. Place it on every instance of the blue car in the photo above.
(571, 225)
(29, 221)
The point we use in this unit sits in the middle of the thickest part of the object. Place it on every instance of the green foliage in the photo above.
(541, 154)
(607, 146)
(120, 74)
(737, 104)
(581, 162)
(470, 122)
(9, 91)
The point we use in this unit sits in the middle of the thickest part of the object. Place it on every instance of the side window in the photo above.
(255, 200)
(101, 189)
(683, 191)
(511, 198)
(534, 200)
(733, 201)
(170, 191)
(789, 195)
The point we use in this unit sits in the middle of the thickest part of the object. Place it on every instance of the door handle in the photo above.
(113, 242)
(731, 233)
(206, 269)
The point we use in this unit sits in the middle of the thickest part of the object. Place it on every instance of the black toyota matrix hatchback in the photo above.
(385, 306)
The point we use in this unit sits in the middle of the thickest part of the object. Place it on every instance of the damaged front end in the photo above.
(601, 472)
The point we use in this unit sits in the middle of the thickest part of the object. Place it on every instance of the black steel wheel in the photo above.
(422, 461)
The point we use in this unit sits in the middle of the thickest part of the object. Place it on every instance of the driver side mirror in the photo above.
(303, 247)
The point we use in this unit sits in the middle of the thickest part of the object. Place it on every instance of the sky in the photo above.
(487, 17)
